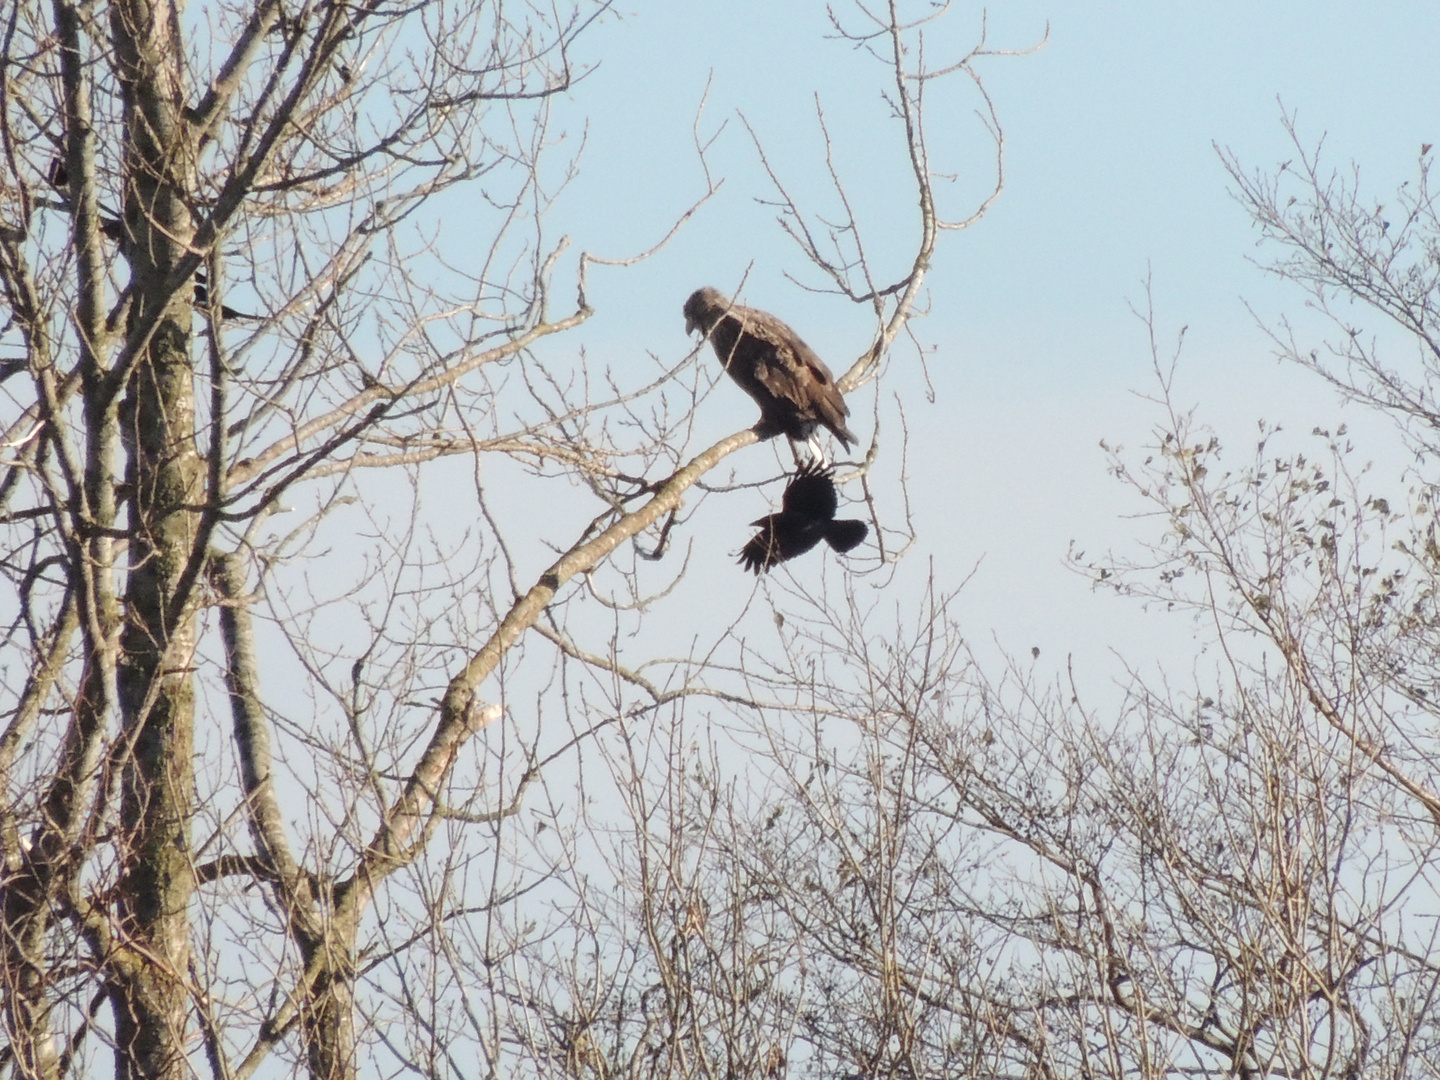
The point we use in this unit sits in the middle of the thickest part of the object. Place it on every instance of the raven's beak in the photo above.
(689, 325)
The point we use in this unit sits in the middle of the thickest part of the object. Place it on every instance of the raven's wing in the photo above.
(782, 536)
(811, 493)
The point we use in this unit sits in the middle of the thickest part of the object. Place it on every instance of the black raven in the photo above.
(807, 516)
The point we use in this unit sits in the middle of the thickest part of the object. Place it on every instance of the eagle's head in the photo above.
(704, 309)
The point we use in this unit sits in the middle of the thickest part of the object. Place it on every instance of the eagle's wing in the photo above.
(790, 369)
(792, 373)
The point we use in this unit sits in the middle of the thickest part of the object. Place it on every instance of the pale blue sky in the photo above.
(1111, 169)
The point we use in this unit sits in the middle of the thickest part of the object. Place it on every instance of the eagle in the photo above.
(793, 387)
(807, 516)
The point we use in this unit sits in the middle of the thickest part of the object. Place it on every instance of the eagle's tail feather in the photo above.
(847, 437)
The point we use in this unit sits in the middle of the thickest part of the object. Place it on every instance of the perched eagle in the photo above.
(792, 386)
(807, 516)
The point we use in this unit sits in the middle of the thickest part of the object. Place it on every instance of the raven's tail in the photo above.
(845, 535)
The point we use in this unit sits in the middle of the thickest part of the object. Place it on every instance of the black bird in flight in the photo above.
(793, 387)
(807, 516)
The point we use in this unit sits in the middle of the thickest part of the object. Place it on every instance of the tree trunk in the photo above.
(164, 474)
(329, 1023)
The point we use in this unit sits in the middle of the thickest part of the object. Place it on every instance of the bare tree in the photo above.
(247, 370)
(927, 869)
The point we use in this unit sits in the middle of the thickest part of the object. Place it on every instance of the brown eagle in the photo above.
(807, 516)
(792, 386)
